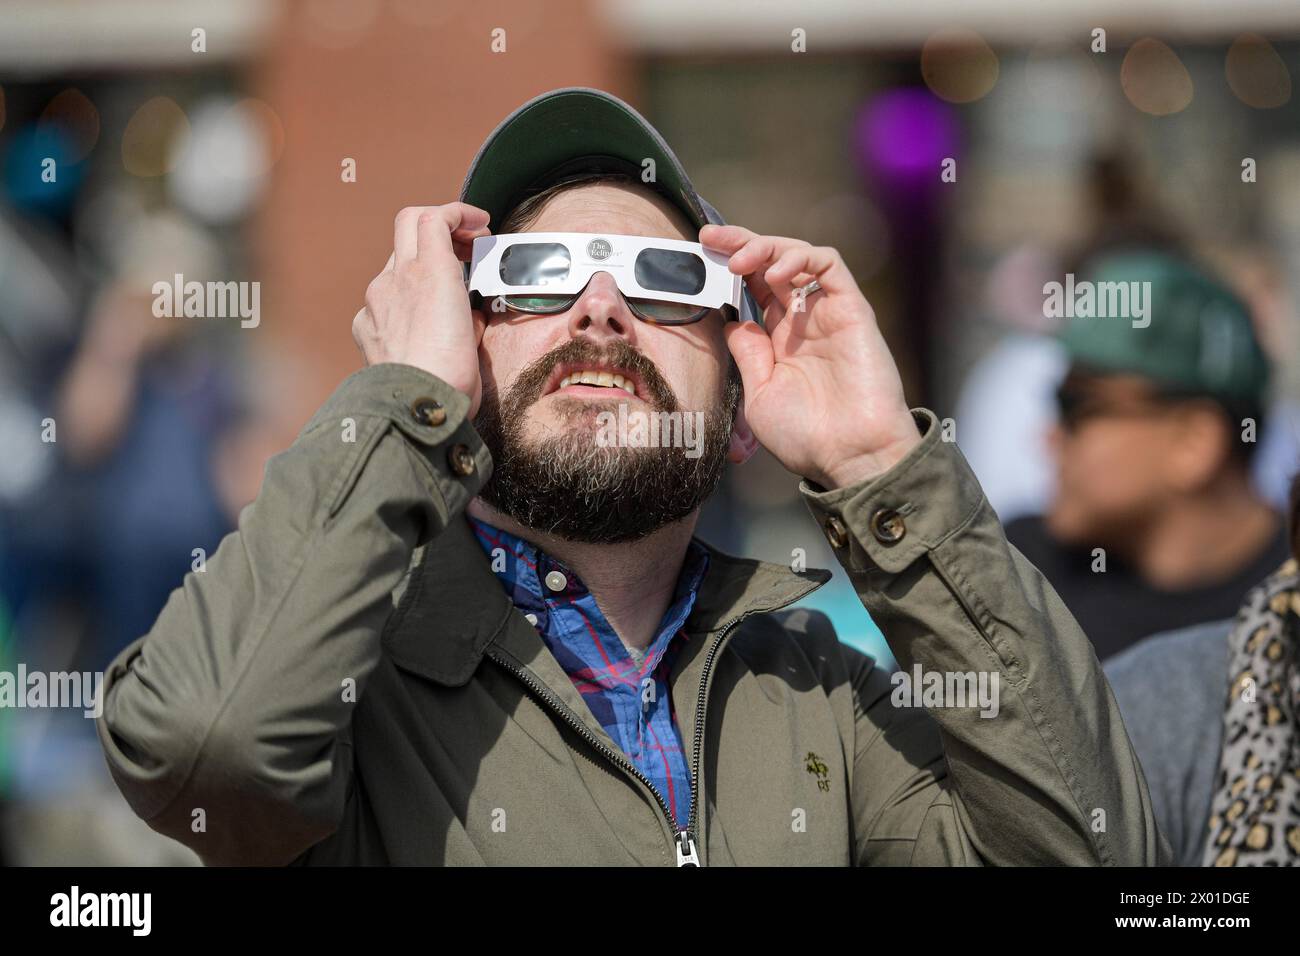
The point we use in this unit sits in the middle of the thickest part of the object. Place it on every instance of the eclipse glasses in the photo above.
(665, 281)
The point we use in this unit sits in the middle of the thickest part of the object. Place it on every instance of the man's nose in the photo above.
(601, 312)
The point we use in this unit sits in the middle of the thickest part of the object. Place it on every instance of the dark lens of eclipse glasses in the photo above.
(668, 270)
(647, 310)
(534, 263)
(659, 270)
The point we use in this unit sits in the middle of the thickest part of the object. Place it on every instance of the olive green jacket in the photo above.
(347, 682)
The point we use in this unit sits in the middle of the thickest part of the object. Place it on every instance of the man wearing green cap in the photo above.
(1155, 524)
(456, 627)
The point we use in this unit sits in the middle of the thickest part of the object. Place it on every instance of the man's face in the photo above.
(1114, 450)
(553, 470)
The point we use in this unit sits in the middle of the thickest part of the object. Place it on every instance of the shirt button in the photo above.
(888, 526)
(461, 461)
(428, 411)
(531, 618)
(556, 581)
(836, 533)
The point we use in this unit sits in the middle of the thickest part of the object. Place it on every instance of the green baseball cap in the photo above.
(1175, 325)
(569, 131)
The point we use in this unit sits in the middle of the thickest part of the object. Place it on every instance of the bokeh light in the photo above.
(958, 65)
(221, 170)
(153, 138)
(1256, 74)
(1154, 78)
(261, 116)
(904, 135)
(73, 113)
(28, 156)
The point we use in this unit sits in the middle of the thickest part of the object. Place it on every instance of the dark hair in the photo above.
(531, 207)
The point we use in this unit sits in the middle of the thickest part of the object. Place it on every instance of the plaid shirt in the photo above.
(613, 685)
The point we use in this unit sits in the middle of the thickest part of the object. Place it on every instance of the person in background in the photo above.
(1214, 715)
(1155, 524)
(1006, 405)
(141, 411)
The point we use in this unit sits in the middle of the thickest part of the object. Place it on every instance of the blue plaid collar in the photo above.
(530, 576)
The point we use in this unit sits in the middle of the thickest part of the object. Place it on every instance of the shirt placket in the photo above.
(556, 602)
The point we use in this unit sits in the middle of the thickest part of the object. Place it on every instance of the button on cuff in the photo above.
(434, 418)
(888, 526)
(413, 400)
(836, 533)
(461, 461)
(428, 411)
(897, 517)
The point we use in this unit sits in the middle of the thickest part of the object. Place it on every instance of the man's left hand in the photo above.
(822, 392)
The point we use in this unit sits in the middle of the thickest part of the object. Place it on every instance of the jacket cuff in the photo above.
(429, 413)
(889, 521)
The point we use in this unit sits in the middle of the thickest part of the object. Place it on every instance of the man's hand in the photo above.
(822, 392)
(417, 310)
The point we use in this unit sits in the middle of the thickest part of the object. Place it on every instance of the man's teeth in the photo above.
(606, 379)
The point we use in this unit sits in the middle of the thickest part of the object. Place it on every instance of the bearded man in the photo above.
(477, 634)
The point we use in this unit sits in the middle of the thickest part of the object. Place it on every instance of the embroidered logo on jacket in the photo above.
(814, 765)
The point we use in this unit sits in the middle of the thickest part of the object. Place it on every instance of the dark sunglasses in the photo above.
(1076, 404)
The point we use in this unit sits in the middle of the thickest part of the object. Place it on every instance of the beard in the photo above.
(568, 484)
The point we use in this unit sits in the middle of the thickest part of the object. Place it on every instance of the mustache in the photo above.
(527, 387)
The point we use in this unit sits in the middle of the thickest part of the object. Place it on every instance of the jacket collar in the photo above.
(451, 607)
(735, 588)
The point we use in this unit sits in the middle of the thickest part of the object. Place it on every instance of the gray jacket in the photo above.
(1172, 690)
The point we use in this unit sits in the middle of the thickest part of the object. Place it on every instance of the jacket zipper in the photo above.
(684, 845)
(697, 745)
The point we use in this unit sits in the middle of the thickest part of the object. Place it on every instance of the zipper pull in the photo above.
(686, 854)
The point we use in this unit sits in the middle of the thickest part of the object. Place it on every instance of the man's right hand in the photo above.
(417, 310)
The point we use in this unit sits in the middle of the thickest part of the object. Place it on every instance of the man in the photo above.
(364, 674)
(1155, 524)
